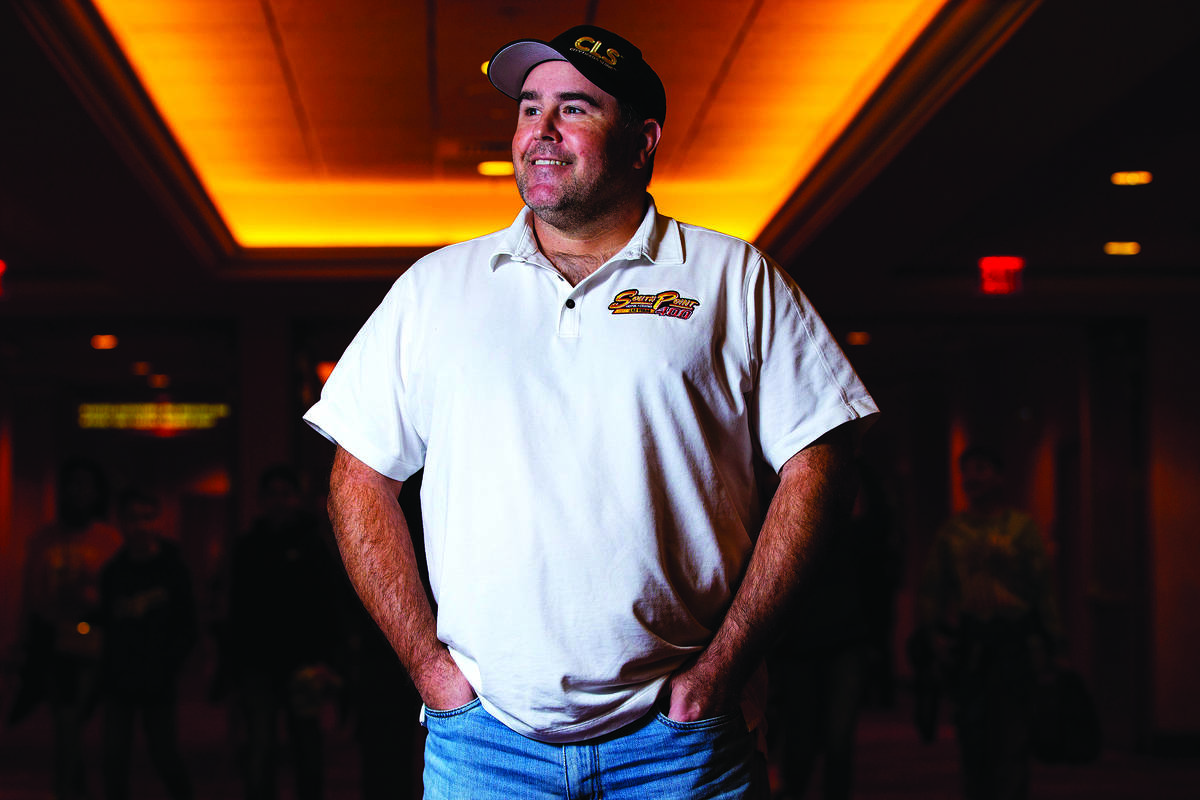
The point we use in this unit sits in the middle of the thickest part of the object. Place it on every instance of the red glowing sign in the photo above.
(1000, 274)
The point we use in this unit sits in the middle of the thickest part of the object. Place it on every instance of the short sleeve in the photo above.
(804, 385)
(364, 405)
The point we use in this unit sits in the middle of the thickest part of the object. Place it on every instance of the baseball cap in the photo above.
(604, 58)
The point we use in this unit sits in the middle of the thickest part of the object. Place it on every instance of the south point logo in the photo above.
(586, 44)
(664, 304)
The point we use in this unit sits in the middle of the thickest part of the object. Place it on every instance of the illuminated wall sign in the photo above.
(1000, 274)
(159, 418)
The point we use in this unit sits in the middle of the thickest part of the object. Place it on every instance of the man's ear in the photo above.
(647, 143)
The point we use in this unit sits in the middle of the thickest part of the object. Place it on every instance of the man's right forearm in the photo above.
(376, 547)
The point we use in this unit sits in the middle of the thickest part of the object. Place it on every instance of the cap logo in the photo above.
(587, 44)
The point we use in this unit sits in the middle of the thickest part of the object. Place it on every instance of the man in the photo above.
(284, 636)
(148, 613)
(988, 613)
(60, 601)
(588, 393)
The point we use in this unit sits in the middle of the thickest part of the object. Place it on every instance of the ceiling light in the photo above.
(1131, 178)
(858, 338)
(104, 341)
(1122, 248)
(495, 168)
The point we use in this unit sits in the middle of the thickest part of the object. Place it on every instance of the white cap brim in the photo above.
(510, 65)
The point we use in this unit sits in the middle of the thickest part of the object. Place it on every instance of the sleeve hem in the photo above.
(801, 438)
(362, 448)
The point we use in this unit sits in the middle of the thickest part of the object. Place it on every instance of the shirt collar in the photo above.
(657, 240)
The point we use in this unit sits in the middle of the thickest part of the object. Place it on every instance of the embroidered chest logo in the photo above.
(665, 304)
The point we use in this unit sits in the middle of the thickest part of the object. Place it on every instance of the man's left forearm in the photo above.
(815, 490)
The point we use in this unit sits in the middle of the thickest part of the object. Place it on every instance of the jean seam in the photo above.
(450, 713)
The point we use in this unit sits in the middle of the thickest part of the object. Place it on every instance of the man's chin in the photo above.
(544, 203)
(537, 197)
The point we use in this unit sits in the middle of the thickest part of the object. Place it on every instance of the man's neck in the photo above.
(988, 509)
(578, 253)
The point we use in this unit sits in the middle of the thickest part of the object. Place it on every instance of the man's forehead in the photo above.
(560, 77)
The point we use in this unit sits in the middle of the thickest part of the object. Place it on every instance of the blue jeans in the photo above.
(469, 755)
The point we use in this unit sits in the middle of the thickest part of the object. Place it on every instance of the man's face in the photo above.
(80, 497)
(139, 523)
(571, 157)
(981, 480)
(281, 501)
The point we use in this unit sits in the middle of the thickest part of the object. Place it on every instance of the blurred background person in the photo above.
(826, 664)
(60, 606)
(989, 617)
(386, 709)
(149, 618)
(879, 554)
(380, 695)
(284, 638)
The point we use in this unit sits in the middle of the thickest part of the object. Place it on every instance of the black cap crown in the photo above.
(604, 58)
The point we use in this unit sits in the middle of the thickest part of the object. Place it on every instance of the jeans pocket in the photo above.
(449, 713)
(698, 725)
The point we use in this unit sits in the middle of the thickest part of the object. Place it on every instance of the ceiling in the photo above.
(362, 122)
(1019, 162)
(994, 131)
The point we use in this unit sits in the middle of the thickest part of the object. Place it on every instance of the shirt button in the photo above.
(570, 303)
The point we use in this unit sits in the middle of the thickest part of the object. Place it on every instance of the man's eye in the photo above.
(529, 111)
(572, 110)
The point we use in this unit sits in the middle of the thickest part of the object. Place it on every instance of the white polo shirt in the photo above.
(589, 499)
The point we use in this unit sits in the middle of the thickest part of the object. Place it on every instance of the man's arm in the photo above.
(377, 550)
(815, 490)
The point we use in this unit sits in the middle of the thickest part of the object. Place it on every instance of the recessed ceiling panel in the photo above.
(358, 122)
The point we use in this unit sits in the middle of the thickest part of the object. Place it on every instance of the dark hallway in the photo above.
(892, 763)
(1002, 131)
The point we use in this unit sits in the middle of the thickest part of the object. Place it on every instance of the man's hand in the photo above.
(377, 549)
(696, 693)
(443, 686)
(814, 491)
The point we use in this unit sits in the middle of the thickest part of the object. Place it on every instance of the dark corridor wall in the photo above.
(1096, 417)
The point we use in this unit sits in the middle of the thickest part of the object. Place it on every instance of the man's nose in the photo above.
(546, 128)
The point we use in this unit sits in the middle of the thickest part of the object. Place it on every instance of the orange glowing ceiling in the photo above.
(361, 122)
